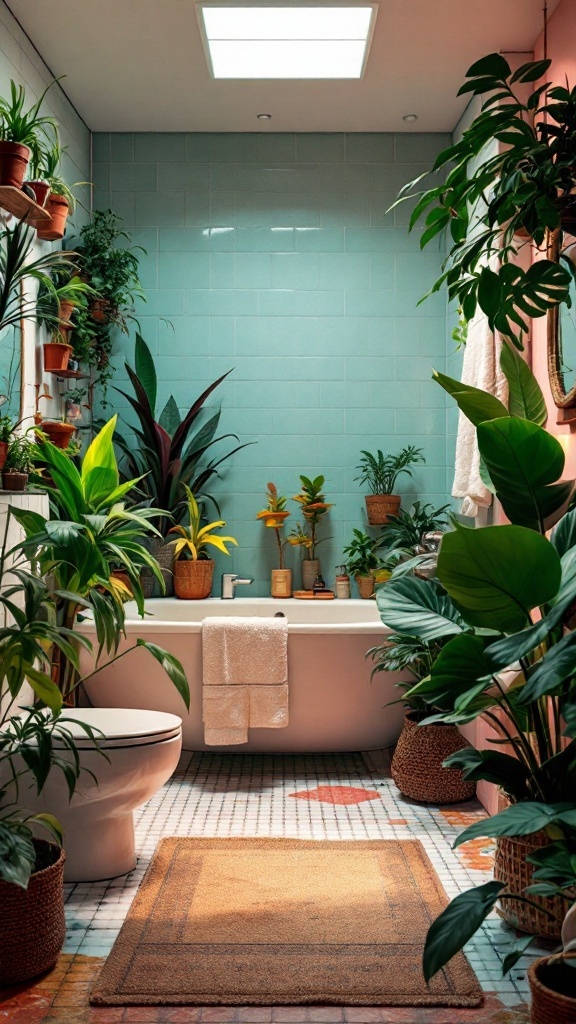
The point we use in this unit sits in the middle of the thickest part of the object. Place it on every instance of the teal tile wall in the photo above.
(272, 256)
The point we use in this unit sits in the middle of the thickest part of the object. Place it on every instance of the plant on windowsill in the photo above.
(314, 508)
(193, 567)
(274, 516)
(20, 460)
(22, 134)
(380, 472)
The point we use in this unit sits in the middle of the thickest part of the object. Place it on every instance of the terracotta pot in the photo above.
(511, 867)
(32, 925)
(164, 555)
(417, 763)
(65, 310)
(41, 190)
(365, 586)
(193, 578)
(100, 310)
(13, 163)
(58, 433)
(281, 583)
(380, 506)
(13, 481)
(553, 991)
(3, 453)
(58, 208)
(310, 570)
(56, 355)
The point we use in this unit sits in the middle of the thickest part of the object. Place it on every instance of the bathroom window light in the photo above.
(287, 42)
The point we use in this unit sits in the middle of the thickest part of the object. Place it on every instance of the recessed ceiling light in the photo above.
(287, 42)
(410, 118)
(264, 117)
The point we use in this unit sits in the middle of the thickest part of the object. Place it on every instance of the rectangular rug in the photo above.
(281, 921)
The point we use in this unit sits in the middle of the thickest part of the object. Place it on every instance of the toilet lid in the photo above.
(122, 727)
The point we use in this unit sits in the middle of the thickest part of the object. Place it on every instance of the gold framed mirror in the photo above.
(561, 338)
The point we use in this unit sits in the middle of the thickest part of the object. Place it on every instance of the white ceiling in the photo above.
(139, 65)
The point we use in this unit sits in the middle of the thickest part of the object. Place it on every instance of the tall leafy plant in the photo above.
(171, 451)
(18, 272)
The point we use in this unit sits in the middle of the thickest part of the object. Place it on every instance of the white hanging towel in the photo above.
(480, 369)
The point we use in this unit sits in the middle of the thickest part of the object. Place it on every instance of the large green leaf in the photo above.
(524, 461)
(44, 688)
(171, 666)
(520, 820)
(457, 924)
(503, 770)
(99, 467)
(525, 398)
(564, 536)
(496, 575)
(170, 417)
(557, 667)
(476, 404)
(454, 679)
(17, 854)
(145, 370)
(419, 608)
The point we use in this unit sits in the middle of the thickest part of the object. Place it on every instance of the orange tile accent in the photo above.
(337, 795)
(478, 854)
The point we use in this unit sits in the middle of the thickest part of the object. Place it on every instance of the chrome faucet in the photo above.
(229, 583)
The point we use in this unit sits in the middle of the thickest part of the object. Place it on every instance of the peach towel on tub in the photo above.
(245, 677)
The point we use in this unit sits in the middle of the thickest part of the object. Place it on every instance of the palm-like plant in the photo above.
(45, 165)
(194, 539)
(380, 471)
(314, 507)
(16, 270)
(25, 126)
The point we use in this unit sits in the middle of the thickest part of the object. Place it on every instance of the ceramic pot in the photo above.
(164, 555)
(58, 208)
(58, 433)
(14, 481)
(380, 506)
(365, 586)
(193, 578)
(56, 356)
(281, 583)
(417, 763)
(511, 867)
(41, 190)
(32, 925)
(3, 453)
(13, 163)
(310, 570)
(552, 990)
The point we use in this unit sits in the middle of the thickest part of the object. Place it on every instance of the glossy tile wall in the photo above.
(271, 255)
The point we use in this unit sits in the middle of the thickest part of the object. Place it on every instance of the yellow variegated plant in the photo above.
(274, 516)
(194, 539)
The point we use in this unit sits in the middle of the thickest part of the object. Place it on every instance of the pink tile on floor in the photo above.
(255, 1014)
(326, 1014)
(179, 1014)
(290, 1014)
(218, 1015)
(337, 795)
(107, 1014)
(365, 1014)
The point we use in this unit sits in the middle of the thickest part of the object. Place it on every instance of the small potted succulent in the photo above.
(20, 133)
(380, 473)
(314, 508)
(19, 463)
(6, 430)
(363, 563)
(193, 568)
(274, 516)
(60, 201)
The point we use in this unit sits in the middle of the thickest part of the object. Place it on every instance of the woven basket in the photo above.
(510, 866)
(164, 555)
(193, 578)
(32, 925)
(380, 506)
(417, 763)
(550, 1006)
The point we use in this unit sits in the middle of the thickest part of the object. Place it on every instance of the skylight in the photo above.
(287, 42)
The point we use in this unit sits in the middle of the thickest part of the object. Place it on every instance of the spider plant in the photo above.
(16, 270)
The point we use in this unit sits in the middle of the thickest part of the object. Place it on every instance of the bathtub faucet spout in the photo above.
(229, 583)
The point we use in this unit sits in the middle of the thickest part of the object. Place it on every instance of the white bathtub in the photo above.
(333, 704)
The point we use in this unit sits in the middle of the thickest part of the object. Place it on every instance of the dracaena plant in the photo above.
(170, 451)
(504, 597)
(194, 540)
(274, 517)
(314, 507)
(510, 180)
(91, 529)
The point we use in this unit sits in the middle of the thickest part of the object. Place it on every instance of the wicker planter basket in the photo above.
(417, 763)
(164, 555)
(32, 925)
(193, 578)
(557, 1004)
(380, 506)
(510, 867)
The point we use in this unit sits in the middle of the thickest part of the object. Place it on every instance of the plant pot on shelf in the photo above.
(56, 355)
(32, 925)
(65, 310)
(281, 583)
(164, 555)
(510, 866)
(365, 586)
(380, 506)
(100, 310)
(41, 190)
(310, 570)
(13, 163)
(58, 433)
(14, 481)
(417, 763)
(193, 578)
(55, 228)
(552, 989)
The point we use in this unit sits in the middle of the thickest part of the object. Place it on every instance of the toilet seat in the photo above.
(121, 727)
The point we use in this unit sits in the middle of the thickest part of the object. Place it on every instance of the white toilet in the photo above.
(141, 751)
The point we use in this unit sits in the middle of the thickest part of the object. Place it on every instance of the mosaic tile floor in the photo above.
(307, 797)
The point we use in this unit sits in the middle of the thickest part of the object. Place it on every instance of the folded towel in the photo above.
(245, 671)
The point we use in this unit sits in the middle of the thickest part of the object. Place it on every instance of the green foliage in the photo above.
(361, 555)
(406, 529)
(194, 539)
(45, 165)
(403, 652)
(27, 127)
(7, 424)
(22, 455)
(380, 472)
(16, 268)
(314, 507)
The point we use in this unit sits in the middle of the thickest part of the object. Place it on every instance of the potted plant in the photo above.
(193, 568)
(59, 432)
(18, 268)
(74, 401)
(362, 562)
(314, 508)
(551, 978)
(169, 451)
(20, 134)
(19, 463)
(380, 473)
(342, 582)
(404, 531)
(495, 202)
(60, 201)
(417, 765)
(7, 425)
(57, 302)
(274, 516)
